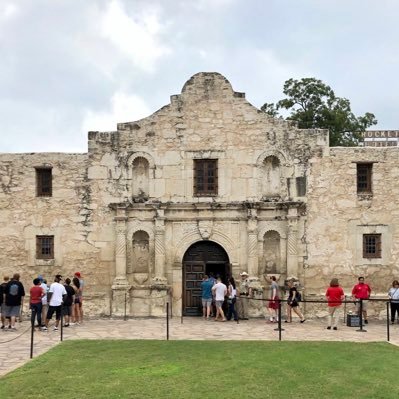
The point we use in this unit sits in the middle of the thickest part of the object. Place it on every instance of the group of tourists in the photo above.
(216, 294)
(62, 298)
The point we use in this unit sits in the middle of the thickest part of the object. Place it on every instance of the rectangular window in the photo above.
(301, 186)
(371, 245)
(44, 247)
(364, 173)
(205, 177)
(44, 182)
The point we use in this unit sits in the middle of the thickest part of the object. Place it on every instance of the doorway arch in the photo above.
(203, 257)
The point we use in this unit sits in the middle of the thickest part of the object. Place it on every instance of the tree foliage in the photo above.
(313, 104)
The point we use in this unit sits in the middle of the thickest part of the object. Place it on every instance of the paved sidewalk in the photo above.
(192, 328)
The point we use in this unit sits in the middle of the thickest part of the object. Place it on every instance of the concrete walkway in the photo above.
(18, 343)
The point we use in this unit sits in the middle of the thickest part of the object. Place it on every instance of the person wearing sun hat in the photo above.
(244, 293)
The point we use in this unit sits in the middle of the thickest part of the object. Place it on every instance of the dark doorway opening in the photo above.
(204, 257)
(218, 269)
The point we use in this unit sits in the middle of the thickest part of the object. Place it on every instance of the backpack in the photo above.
(14, 289)
(298, 297)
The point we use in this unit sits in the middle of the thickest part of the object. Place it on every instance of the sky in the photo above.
(72, 66)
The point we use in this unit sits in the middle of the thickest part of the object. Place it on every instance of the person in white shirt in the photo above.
(56, 296)
(220, 291)
(44, 298)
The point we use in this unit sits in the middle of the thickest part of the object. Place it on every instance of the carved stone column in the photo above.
(292, 243)
(120, 286)
(252, 249)
(159, 271)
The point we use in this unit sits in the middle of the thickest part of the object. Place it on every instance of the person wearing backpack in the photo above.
(14, 294)
(294, 297)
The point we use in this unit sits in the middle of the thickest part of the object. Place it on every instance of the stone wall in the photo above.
(338, 217)
(67, 215)
(125, 213)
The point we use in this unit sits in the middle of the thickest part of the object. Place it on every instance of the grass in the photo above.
(208, 369)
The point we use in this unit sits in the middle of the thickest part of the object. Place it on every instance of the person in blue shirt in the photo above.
(206, 296)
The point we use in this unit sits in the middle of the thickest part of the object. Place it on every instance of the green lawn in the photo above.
(208, 369)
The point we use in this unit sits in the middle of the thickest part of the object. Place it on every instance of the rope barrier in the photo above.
(13, 339)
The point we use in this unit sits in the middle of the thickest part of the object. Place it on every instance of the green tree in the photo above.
(313, 104)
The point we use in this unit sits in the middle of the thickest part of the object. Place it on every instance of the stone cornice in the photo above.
(209, 205)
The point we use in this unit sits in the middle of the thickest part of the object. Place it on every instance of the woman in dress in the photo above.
(292, 303)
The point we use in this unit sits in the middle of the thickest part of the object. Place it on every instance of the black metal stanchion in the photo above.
(32, 332)
(361, 317)
(125, 317)
(279, 329)
(388, 303)
(167, 321)
(62, 324)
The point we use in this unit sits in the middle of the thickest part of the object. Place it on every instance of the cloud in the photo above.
(8, 10)
(124, 108)
(138, 38)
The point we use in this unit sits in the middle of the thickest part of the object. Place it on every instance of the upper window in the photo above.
(44, 182)
(205, 177)
(301, 186)
(364, 173)
(44, 247)
(371, 245)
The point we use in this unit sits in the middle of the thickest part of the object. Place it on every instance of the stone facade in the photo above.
(127, 213)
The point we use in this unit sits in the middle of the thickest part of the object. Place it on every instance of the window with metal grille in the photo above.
(44, 182)
(364, 172)
(205, 177)
(371, 245)
(44, 247)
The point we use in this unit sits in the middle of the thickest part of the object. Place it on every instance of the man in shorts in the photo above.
(56, 295)
(14, 294)
(220, 291)
(274, 300)
(67, 305)
(206, 297)
(6, 279)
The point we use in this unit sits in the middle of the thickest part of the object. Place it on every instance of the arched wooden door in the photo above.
(204, 257)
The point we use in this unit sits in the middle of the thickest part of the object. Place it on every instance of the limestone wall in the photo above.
(208, 120)
(116, 208)
(67, 215)
(338, 217)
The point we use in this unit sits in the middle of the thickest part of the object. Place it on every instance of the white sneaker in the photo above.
(55, 328)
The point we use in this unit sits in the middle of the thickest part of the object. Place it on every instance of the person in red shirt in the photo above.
(36, 294)
(361, 291)
(335, 295)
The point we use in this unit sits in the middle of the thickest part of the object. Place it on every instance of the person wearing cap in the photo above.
(56, 296)
(244, 293)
